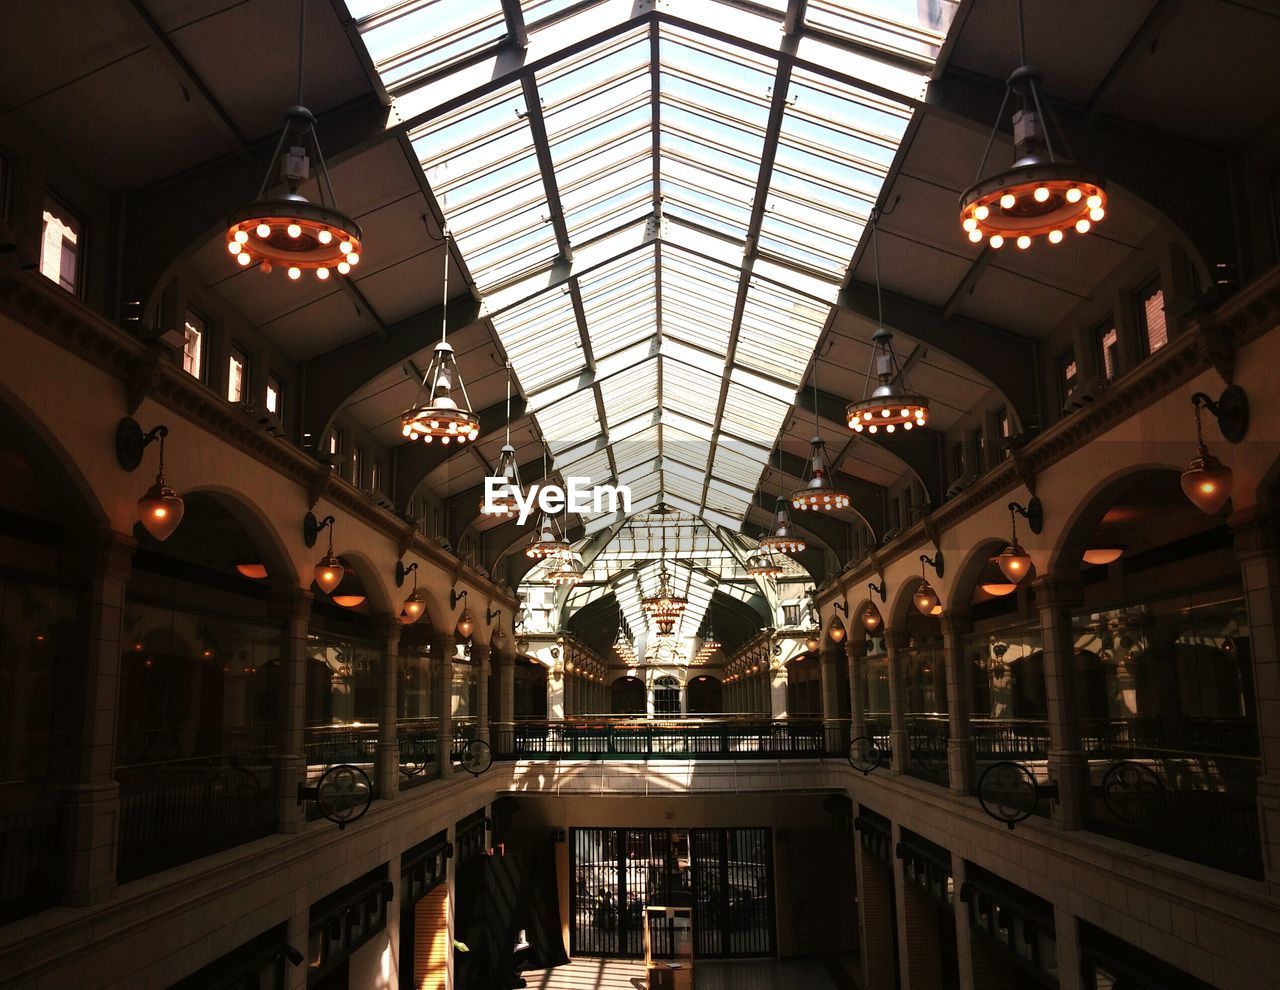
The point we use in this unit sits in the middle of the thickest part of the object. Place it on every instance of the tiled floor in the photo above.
(618, 974)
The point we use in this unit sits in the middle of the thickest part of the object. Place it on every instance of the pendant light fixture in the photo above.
(665, 604)
(762, 564)
(1207, 481)
(1014, 562)
(160, 508)
(891, 404)
(548, 543)
(925, 598)
(1041, 195)
(818, 492)
(329, 571)
(503, 505)
(837, 630)
(568, 571)
(782, 537)
(289, 231)
(812, 642)
(441, 416)
(414, 605)
(871, 618)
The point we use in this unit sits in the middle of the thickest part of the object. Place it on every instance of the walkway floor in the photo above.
(627, 974)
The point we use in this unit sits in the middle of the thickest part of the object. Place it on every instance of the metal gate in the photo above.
(726, 874)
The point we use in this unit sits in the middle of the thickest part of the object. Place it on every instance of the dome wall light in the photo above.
(160, 509)
(1014, 561)
(891, 403)
(1041, 194)
(255, 572)
(1207, 481)
(289, 231)
(414, 605)
(348, 594)
(329, 571)
(1103, 555)
(441, 417)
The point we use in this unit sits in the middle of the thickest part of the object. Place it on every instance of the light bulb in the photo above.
(873, 428)
(353, 258)
(1041, 194)
(243, 258)
(975, 236)
(1008, 201)
(1093, 202)
(233, 246)
(889, 428)
(295, 272)
(996, 241)
(263, 230)
(265, 267)
(970, 223)
(857, 427)
(1074, 194)
(322, 273)
(293, 230)
(907, 425)
(1082, 226)
(343, 268)
(886, 413)
(982, 212)
(242, 236)
(1024, 242)
(344, 247)
(866, 415)
(325, 236)
(1097, 213)
(1055, 237)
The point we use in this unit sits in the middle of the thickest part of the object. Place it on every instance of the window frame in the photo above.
(1108, 326)
(1067, 358)
(82, 241)
(1150, 288)
(202, 359)
(234, 353)
(274, 384)
(357, 464)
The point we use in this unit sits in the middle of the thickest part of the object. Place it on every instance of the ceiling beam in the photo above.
(1001, 356)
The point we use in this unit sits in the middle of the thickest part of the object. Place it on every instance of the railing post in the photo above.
(387, 760)
(90, 802)
(1068, 763)
(899, 740)
(292, 608)
(1258, 552)
(960, 762)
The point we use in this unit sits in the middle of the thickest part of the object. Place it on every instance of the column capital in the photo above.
(388, 627)
(1057, 592)
(956, 622)
(100, 551)
(481, 652)
(443, 644)
(894, 641)
(289, 603)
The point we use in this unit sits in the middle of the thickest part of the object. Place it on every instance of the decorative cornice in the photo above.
(1243, 318)
(48, 311)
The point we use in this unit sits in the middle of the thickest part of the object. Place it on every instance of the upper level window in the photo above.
(60, 243)
(375, 475)
(1005, 430)
(337, 440)
(237, 375)
(357, 464)
(1067, 375)
(193, 333)
(1155, 332)
(976, 448)
(275, 397)
(1109, 350)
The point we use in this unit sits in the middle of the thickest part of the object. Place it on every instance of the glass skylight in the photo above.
(658, 246)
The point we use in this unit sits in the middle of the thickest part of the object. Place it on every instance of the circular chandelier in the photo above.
(818, 491)
(664, 603)
(1041, 195)
(441, 416)
(782, 537)
(568, 571)
(891, 404)
(762, 564)
(548, 545)
(289, 231)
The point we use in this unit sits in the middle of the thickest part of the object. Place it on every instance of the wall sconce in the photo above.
(466, 624)
(1207, 481)
(160, 508)
(812, 643)
(871, 618)
(490, 614)
(1014, 562)
(414, 605)
(328, 573)
(837, 631)
(925, 598)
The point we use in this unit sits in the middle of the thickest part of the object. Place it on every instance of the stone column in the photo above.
(857, 703)
(292, 608)
(480, 657)
(960, 763)
(1258, 551)
(443, 647)
(1068, 765)
(387, 760)
(503, 724)
(828, 657)
(90, 796)
(556, 678)
(895, 648)
(776, 681)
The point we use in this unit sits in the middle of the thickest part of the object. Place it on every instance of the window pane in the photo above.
(357, 464)
(1109, 343)
(235, 377)
(193, 344)
(60, 245)
(1153, 321)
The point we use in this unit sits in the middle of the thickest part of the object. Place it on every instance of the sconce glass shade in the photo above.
(812, 643)
(925, 598)
(329, 573)
(1014, 562)
(499, 639)
(871, 618)
(256, 572)
(1103, 555)
(405, 618)
(414, 606)
(1207, 483)
(160, 510)
(466, 625)
(837, 631)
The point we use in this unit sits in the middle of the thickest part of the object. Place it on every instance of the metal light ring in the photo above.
(822, 497)
(433, 421)
(783, 544)
(303, 251)
(1028, 216)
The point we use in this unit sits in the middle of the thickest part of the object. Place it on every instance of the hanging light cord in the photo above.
(508, 403)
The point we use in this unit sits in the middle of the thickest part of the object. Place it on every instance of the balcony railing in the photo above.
(716, 737)
(29, 863)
